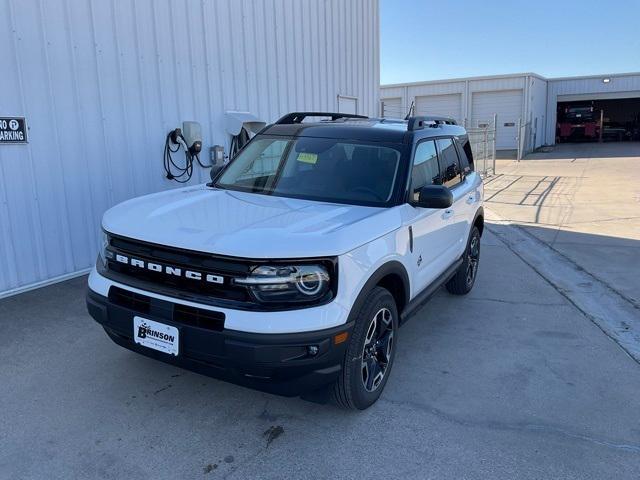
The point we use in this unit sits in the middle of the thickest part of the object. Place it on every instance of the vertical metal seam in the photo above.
(90, 207)
(10, 250)
(207, 70)
(108, 154)
(174, 60)
(143, 106)
(34, 213)
(63, 212)
(125, 119)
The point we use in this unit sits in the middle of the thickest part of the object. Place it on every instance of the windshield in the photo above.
(324, 169)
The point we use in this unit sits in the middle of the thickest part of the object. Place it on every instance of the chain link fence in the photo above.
(483, 146)
(527, 137)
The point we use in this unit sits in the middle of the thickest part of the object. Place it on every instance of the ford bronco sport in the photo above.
(292, 270)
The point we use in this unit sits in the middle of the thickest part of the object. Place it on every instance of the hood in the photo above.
(248, 225)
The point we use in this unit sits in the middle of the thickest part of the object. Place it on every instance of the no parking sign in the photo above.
(13, 130)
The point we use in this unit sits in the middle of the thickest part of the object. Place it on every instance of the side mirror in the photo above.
(434, 196)
(214, 172)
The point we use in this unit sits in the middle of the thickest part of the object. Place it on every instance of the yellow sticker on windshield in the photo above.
(311, 158)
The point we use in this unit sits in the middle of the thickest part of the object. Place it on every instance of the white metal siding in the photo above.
(392, 108)
(447, 105)
(537, 111)
(463, 87)
(507, 105)
(102, 81)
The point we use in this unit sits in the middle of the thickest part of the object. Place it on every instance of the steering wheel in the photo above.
(369, 191)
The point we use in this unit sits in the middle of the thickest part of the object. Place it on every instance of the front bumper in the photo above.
(276, 363)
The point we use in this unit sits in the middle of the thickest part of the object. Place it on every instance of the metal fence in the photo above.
(526, 137)
(483, 146)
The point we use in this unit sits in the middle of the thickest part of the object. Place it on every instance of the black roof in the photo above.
(357, 127)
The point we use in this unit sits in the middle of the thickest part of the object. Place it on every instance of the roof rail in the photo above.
(298, 117)
(417, 123)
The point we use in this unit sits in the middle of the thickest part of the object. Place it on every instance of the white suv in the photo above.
(292, 270)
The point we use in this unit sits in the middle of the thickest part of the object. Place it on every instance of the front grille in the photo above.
(214, 283)
(161, 282)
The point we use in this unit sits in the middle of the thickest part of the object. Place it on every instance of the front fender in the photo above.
(361, 269)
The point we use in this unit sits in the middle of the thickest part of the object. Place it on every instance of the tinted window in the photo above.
(465, 164)
(449, 166)
(322, 169)
(425, 169)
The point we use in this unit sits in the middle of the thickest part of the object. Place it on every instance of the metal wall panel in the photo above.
(507, 105)
(101, 82)
(463, 87)
(392, 108)
(537, 115)
(449, 105)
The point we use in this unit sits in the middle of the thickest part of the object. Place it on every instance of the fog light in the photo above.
(312, 350)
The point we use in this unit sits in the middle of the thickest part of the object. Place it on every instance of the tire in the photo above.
(464, 279)
(360, 384)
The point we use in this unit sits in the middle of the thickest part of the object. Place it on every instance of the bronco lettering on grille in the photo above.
(169, 270)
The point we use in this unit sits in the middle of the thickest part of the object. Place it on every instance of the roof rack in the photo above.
(298, 117)
(417, 123)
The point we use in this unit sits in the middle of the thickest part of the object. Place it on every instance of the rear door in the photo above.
(457, 227)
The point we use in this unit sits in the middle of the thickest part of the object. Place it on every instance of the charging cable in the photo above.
(173, 171)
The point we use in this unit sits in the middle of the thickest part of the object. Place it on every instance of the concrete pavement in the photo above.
(510, 381)
(583, 200)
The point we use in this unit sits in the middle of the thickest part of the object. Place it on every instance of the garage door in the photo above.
(507, 105)
(392, 108)
(449, 105)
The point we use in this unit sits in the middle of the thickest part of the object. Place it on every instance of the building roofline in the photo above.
(464, 79)
(603, 75)
(509, 75)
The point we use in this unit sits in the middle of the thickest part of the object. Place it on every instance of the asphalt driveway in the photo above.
(511, 381)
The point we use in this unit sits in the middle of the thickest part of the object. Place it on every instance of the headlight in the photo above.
(295, 283)
(104, 243)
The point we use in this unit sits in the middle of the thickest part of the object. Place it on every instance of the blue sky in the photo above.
(435, 39)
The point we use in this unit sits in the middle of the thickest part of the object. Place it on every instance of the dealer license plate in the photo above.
(156, 335)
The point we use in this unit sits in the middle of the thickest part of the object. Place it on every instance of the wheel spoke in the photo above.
(385, 343)
(373, 370)
(372, 331)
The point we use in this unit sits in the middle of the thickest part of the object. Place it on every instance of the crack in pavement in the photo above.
(517, 302)
(515, 427)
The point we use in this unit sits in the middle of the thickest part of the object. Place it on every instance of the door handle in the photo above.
(448, 213)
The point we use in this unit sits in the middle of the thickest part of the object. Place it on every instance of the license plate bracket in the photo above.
(155, 335)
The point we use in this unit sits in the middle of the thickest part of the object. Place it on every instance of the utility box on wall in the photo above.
(101, 85)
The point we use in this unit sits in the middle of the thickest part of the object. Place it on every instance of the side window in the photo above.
(425, 169)
(465, 156)
(449, 165)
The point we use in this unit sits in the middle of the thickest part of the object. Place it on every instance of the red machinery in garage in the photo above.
(578, 121)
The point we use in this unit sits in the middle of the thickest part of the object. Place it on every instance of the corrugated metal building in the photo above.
(102, 82)
(527, 99)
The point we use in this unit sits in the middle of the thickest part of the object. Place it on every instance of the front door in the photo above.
(431, 228)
